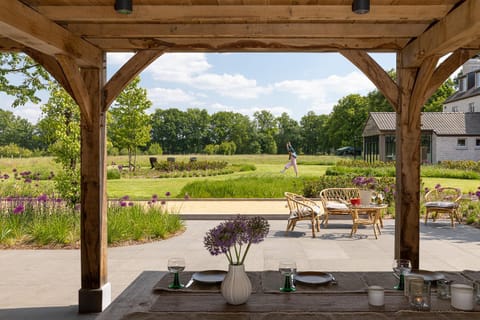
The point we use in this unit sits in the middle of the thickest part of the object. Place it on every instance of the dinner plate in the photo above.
(209, 276)
(428, 275)
(313, 277)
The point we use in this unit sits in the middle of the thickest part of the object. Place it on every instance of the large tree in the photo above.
(18, 131)
(288, 130)
(129, 125)
(267, 128)
(169, 129)
(22, 78)
(314, 133)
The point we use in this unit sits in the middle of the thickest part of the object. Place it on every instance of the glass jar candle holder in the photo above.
(419, 295)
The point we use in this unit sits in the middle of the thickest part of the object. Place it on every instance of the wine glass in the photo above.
(288, 268)
(176, 265)
(400, 268)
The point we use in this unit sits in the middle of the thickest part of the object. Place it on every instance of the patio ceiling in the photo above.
(418, 27)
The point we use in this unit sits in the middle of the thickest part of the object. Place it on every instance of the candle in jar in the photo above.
(462, 296)
(376, 296)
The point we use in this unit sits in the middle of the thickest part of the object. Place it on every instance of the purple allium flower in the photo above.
(154, 197)
(77, 207)
(28, 180)
(123, 204)
(120, 167)
(238, 233)
(19, 209)
(58, 200)
(42, 198)
(125, 198)
(6, 176)
(163, 202)
(186, 196)
(14, 170)
(438, 186)
(130, 204)
(167, 193)
(477, 193)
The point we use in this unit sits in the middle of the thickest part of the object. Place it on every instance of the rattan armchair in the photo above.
(443, 200)
(302, 208)
(337, 201)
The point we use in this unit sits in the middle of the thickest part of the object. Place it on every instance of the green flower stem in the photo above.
(245, 254)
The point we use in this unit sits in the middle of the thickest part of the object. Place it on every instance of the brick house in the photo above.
(445, 136)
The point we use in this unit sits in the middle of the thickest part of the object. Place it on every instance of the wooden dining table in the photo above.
(149, 298)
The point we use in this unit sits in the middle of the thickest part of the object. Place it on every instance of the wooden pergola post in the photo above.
(95, 293)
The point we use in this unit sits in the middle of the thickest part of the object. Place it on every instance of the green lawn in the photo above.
(143, 188)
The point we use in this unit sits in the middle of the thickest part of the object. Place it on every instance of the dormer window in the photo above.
(477, 79)
(455, 109)
(462, 82)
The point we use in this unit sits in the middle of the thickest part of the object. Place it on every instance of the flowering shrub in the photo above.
(234, 237)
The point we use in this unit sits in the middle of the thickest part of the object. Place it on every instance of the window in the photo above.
(477, 143)
(471, 107)
(477, 79)
(462, 84)
(462, 143)
(455, 109)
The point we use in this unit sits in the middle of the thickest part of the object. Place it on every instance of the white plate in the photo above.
(313, 277)
(209, 276)
(428, 275)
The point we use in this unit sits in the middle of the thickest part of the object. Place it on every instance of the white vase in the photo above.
(365, 196)
(236, 287)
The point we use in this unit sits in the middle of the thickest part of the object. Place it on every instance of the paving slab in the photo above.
(44, 284)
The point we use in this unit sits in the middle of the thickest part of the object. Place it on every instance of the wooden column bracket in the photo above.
(128, 72)
(380, 78)
(77, 84)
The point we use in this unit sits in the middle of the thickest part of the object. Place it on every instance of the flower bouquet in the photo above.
(234, 237)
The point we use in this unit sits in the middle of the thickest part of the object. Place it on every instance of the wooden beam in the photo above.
(458, 28)
(52, 66)
(185, 44)
(256, 30)
(95, 292)
(407, 200)
(127, 73)
(446, 68)
(24, 25)
(77, 85)
(375, 73)
(243, 13)
(422, 81)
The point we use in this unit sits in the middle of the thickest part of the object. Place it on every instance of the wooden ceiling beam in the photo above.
(78, 86)
(28, 27)
(242, 13)
(245, 44)
(380, 78)
(250, 30)
(127, 73)
(458, 28)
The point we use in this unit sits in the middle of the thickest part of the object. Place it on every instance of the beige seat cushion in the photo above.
(441, 204)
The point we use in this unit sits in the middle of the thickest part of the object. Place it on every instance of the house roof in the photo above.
(463, 95)
(441, 123)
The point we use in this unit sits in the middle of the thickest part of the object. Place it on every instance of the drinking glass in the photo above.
(401, 267)
(288, 269)
(176, 265)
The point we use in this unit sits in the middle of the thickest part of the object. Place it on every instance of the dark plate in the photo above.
(313, 277)
(209, 276)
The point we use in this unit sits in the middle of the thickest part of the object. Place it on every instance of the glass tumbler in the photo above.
(443, 289)
(476, 287)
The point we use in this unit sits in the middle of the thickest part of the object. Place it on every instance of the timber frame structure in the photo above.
(70, 38)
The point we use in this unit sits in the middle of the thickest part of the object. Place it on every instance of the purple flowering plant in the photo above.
(234, 237)
(368, 183)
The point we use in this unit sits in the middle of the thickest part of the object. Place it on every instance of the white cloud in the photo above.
(29, 111)
(164, 96)
(324, 93)
(192, 69)
(118, 58)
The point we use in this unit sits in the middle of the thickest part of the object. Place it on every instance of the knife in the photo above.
(189, 283)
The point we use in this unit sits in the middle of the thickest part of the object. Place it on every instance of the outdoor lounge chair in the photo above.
(302, 208)
(337, 201)
(443, 200)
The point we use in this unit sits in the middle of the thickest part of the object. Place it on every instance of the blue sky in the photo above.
(244, 82)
